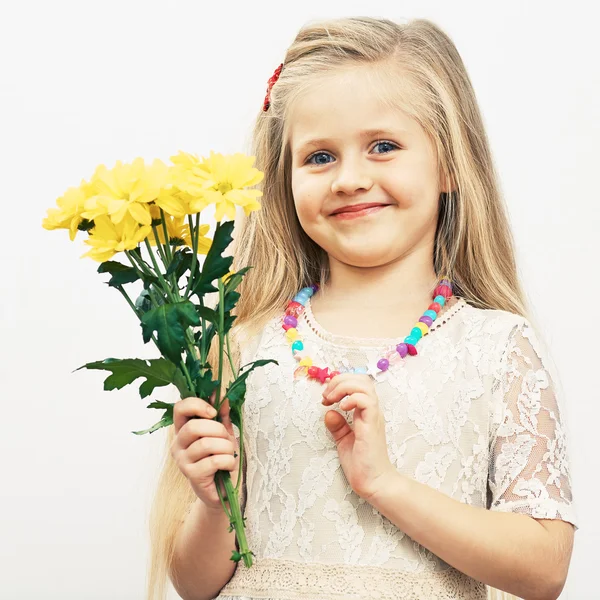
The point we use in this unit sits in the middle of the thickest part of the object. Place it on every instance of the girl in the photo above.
(409, 443)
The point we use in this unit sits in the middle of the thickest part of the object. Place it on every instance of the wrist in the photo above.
(391, 483)
(213, 511)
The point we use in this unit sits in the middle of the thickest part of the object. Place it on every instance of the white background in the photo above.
(84, 83)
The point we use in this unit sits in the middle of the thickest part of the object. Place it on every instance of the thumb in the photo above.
(337, 425)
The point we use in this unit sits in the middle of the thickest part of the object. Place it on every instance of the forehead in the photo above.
(352, 103)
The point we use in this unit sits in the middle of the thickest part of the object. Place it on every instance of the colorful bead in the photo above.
(424, 328)
(393, 357)
(294, 308)
(443, 290)
(301, 299)
(383, 364)
(402, 350)
(427, 320)
(291, 334)
(306, 368)
(322, 374)
(300, 372)
(290, 320)
(416, 333)
(300, 355)
(435, 306)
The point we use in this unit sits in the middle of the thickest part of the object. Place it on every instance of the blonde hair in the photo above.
(473, 242)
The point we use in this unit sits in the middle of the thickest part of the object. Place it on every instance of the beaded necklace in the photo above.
(442, 293)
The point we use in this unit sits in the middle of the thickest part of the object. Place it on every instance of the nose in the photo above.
(351, 176)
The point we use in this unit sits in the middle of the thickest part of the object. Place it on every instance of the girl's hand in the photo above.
(363, 451)
(203, 446)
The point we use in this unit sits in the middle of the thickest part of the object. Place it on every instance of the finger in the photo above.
(335, 380)
(207, 446)
(208, 466)
(200, 428)
(348, 386)
(359, 400)
(337, 425)
(188, 408)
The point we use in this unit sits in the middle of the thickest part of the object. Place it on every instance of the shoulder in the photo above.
(491, 321)
(513, 341)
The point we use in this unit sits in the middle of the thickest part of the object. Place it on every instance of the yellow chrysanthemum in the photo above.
(68, 215)
(190, 176)
(218, 180)
(176, 229)
(127, 189)
(174, 201)
(108, 238)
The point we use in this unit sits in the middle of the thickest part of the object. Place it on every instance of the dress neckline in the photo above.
(345, 340)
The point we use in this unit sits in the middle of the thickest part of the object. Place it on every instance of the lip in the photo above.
(355, 211)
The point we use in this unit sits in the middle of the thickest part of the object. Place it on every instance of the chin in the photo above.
(364, 257)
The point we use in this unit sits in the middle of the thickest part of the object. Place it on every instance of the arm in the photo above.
(201, 563)
(509, 551)
(523, 543)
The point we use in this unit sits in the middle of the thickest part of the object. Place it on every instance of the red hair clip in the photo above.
(273, 79)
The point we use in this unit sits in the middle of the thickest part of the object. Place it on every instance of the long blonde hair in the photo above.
(473, 242)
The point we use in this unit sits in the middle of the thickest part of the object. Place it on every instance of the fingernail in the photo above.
(212, 411)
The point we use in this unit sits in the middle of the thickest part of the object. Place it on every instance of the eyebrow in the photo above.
(367, 133)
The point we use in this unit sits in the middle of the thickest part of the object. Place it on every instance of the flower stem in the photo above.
(165, 285)
(233, 369)
(155, 302)
(237, 521)
(165, 231)
(195, 233)
(221, 339)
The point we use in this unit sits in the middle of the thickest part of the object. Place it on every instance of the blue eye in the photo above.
(309, 160)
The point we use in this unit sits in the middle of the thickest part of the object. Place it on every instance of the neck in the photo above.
(403, 286)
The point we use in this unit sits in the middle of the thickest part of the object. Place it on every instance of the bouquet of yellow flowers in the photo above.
(135, 204)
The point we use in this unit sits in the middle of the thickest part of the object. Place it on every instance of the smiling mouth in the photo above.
(359, 210)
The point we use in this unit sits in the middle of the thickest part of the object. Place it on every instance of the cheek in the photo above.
(307, 199)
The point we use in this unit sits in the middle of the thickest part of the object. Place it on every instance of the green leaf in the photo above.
(121, 274)
(143, 302)
(215, 265)
(181, 262)
(236, 556)
(205, 385)
(235, 280)
(170, 321)
(157, 372)
(166, 420)
(208, 314)
(230, 300)
(236, 392)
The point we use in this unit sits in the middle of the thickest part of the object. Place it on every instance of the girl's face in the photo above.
(349, 149)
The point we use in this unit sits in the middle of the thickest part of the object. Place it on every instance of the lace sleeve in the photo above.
(529, 463)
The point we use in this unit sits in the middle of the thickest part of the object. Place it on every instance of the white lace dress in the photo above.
(474, 415)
